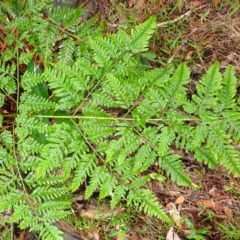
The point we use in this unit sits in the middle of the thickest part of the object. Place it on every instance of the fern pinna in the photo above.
(74, 135)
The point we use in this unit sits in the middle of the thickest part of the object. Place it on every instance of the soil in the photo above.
(207, 33)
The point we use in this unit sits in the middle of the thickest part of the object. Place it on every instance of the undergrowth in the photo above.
(89, 111)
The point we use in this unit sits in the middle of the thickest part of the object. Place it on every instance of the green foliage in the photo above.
(229, 231)
(66, 133)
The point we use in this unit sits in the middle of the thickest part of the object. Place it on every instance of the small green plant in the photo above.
(229, 231)
(196, 234)
(66, 131)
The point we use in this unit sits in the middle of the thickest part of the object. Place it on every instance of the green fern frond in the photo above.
(31, 79)
(173, 166)
(28, 145)
(36, 103)
(202, 154)
(165, 140)
(175, 89)
(98, 176)
(208, 88)
(32, 125)
(184, 134)
(2, 97)
(229, 157)
(90, 27)
(139, 182)
(46, 166)
(232, 125)
(199, 135)
(100, 57)
(7, 85)
(156, 77)
(190, 106)
(155, 101)
(108, 120)
(220, 145)
(144, 158)
(118, 194)
(140, 36)
(8, 180)
(65, 55)
(6, 138)
(84, 168)
(130, 146)
(145, 201)
(83, 66)
(31, 221)
(11, 199)
(228, 91)
(63, 88)
(44, 193)
(20, 212)
(53, 206)
(52, 215)
(109, 47)
(108, 185)
(48, 232)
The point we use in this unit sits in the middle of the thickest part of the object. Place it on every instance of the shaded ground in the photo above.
(199, 32)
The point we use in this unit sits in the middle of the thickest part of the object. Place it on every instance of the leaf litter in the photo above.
(217, 198)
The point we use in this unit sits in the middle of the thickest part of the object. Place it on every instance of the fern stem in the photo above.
(113, 118)
(14, 147)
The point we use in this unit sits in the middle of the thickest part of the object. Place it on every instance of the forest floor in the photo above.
(198, 32)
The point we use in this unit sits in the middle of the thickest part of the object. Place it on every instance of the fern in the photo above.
(95, 114)
(147, 202)
(173, 167)
(228, 92)
(208, 89)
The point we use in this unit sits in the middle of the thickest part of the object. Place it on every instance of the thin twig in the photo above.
(185, 15)
(110, 118)
(182, 44)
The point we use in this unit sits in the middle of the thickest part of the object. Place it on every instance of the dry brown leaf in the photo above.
(198, 3)
(95, 234)
(180, 200)
(131, 3)
(215, 206)
(21, 236)
(134, 236)
(100, 212)
(218, 207)
(206, 203)
(228, 212)
(69, 229)
(174, 213)
(213, 192)
(89, 213)
(174, 193)
(217, 3)
(140, 5)
(170, 206)
(224, 198)
(171, 235)
(118, 237)
(189, 55)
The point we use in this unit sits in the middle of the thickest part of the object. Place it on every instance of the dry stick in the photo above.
(185, 15)
(198, 53)
(182, 44)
